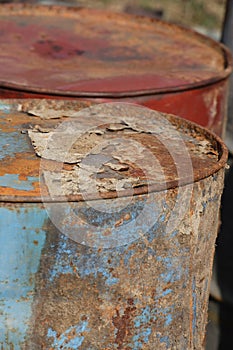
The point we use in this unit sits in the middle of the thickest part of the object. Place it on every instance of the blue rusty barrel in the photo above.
(109, 217)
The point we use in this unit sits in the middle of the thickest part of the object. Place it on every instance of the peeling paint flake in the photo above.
(118, 167)
(202, 148)
(49, 109)
(62, 146)
(114, 148)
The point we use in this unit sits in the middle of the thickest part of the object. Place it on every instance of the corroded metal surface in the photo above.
(19, 172)
(130, 272)
(20, 163)
(89, 51)
(152, 293)
(205, 106)
(63, 52)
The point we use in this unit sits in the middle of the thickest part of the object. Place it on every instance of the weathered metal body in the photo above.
(59, 52)
(76, 275)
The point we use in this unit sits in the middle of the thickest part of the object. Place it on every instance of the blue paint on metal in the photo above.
(171, 275)
(144, 318)
(85, 224)
(52, 334)
(204, 206)
(168, 320)
(150, 251)
(168, 276)
(12, 181)
(74, 258)
(140, 339)
(142, 324)
(6, 108)
(165, 340)
(89, 263)
(168, 313)
(12, 143)
(103, 218)
(157, 227)
(72, 338)
(174, 233)
(166, 292)
(21, 241)
(215, 198)
(162, 218)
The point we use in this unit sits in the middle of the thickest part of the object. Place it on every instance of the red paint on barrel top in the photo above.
(82, 51)
(64, 52)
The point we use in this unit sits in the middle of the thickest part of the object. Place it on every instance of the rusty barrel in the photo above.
(60, 52)
(109, 216)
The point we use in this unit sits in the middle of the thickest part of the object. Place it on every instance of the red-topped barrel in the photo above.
(65, 52)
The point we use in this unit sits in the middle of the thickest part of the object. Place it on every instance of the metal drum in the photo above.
(109, 216)
(60, 52)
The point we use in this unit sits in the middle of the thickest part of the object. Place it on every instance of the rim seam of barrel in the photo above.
(54, 93)
(79, 198)
(143, 190)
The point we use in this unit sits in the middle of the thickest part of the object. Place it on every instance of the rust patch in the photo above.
(117, 153)
(154, 290)
(22, 164)
(124, 145)
(62, 303)
(123, 324)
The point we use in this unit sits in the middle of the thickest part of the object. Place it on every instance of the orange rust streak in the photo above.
(24, 165)
(21, 165)
(11, 123)
(14, 192)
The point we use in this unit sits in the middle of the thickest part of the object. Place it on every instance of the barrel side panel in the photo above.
(205, 106)
(22, 237)
(151, 293)
(205, 224)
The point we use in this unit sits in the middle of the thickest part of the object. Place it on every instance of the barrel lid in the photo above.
(69, 150)
(87, 52)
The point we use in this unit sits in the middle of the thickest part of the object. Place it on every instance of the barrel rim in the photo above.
(202, 174)
(224, 74)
